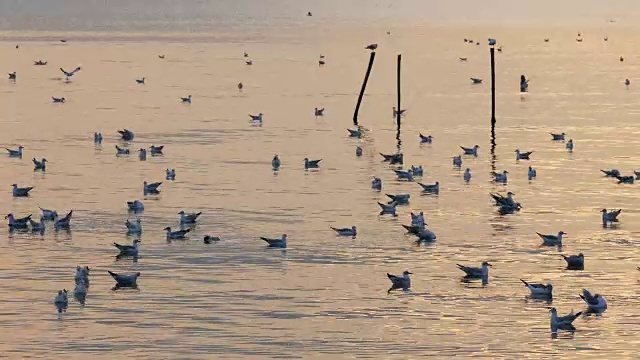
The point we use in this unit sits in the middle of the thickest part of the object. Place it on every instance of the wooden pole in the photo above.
(493, 108)
(399, 115)
(364, 86)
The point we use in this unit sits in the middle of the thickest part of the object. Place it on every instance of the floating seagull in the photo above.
(186, 218)
(523, 155)
(125, 280)
(358, 151)
(563, 322)
(309, 13)
(355, 133)
(579, 40)
(400, 282)
(574, 262)
(135, 205)
(97, 138)
(476, 81)
(546, 40)
(40, 165)
(69, 74)
(467, 175)
(126, 134)
(346, 231)
(151, 188)
(128, 250)
(82, 274)
(463, 59)
(626, 179)
(476, 272)
(417, 220)
(425, 139)
(557, 137)
(186, 100)
(12, 76)
(276, 243)
(499, 49)
(569, 145)
(178, 234)
(504, 200)
(18, 223)
(417, 171)
(321, 61)
(539, 290)
(371, 47)
(275, 163)
(133, 227)
(171, 174)
(63, 40)
(401, 112)
(50, 215)
(319, 112)
(376, 184)
(209, 239)
(121, 151)
(61, 299)
(161, 56)
(64, 222)
(21, 192)
(431, 188)
(142, 154)
(393, 159)
(248, 61)
(457, 160)
(531, 173)
(552, 240)
(58, 100)
(470, 151)
(596, 303)
(311, 164)
(425, 235)
(240, 86)
(400, 199)
(404, 175)
(39, 62)
(388, 209)
(611, 173)
(16, 153)
(492, 41)
(610, 217)
(140, 81)
(500, 177)
(621, 59)
(156, 150)
(257, 118)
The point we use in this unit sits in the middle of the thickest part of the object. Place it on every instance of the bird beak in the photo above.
(411, 273)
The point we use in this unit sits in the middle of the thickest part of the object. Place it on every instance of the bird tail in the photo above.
(460, 266)
(112, 273)
(524, 282)
(198, 214)
(390, 276)
(578, 313)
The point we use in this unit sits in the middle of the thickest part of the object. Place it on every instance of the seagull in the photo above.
(462, 59)
(50, 215)
(569, 145)
(142, 154)
(457, 160)
(611, 173)
(557, 137)
(372, 47)
(500, 177)
(40, 165)
(178, 234)
(16, 153)
(82, 274)
(470, 151)
(467, 175)
(400, 199)
(61, 299)
(97, 138)
(376, 184)
(170, 174)
(531, 173)
(425, 235)
(58, 100)
(431, 188)
(257, 118)
(401, 112)
(209, 239)
(358, 151)
(321, 61)
(546, 40)
(476, 272)
(275, 163)
(552, 240)
(126, 134)
(476, 81)
(64, 222)
(140, 81)
(626, 179)
(248, 61)
(346, 231)
(40, 62)
(135, 205)
(627, 83)
(311, 164)
(161, 56)
(355, 133)
(20, 223)
(563, 322)
(388, 209)
(133, 227)
(574, 262)
(523, 155)
(240, 86)
(492, 41)
(125, 280)
(504, 200)
(539, 290)
(156, 150)
(21, 192)
(121, 151)
(425, 139)
(393, 159)
(128, 250)
(186, 100)
(400, 282)
(12, 76)
(186, 218)
(417, 220)
(276, 243)
(610, 217)
(417, 171)
(406, 175)
(151, 188)
(596, 302)
(37, 226)
(319, 112)
(69, 74)
(246, 54)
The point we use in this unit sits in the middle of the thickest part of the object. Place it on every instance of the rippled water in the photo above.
(324, 297)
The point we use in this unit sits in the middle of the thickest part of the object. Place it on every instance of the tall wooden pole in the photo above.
(399, 111)
(364, 86)
(493, 109)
